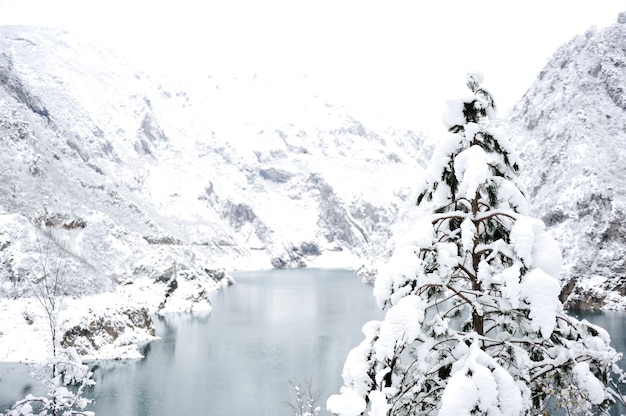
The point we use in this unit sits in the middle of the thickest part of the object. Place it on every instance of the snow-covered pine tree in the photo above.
(474, 324)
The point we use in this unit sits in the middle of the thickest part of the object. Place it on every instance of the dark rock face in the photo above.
(288, 260)
(239, 214)
(309, 249)
(335, 219)
(275, 175)
(219, 275)
(106, 328)
(296, 257)
(15, 87)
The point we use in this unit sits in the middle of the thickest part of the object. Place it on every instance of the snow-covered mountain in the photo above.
(572, 125)
(149, 188)
(131, 179)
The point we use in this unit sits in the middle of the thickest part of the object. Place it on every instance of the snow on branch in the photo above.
(474, 323)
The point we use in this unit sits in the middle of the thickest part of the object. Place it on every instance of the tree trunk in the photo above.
(477, 319)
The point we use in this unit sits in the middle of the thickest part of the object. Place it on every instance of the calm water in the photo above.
(269, 328)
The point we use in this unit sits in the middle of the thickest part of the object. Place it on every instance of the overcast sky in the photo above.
(393, 60)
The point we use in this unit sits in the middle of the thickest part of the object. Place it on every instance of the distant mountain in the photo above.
(572, 129)
(132, 177)
(140, 181)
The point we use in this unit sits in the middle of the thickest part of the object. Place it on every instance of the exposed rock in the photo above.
(104, 328)
(335, 219)
(11, 81)
(219, 275)
(62, 220)
(308, 249)
(291, 259)
(164, 239)
(151, 129)
(275, 175)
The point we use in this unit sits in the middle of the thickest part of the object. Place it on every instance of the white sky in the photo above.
(393, 61)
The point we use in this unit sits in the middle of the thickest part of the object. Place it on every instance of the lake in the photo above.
(271, 328)
(268, 329)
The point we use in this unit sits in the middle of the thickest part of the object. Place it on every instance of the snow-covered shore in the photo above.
(115, 325)
(101, 327)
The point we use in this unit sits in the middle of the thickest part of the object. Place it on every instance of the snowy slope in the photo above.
(572, 129)
(150, 188)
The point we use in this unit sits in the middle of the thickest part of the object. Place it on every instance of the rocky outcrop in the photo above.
(296, 256)
(109, 328)
(11, 82)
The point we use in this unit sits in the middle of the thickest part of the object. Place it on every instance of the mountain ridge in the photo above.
(149, 189)
(213, 172)
(572, 130)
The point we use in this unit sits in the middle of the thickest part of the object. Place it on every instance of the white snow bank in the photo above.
(115, 322)
(346, 403)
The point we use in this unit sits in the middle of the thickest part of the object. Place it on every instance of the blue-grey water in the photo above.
(269, 328)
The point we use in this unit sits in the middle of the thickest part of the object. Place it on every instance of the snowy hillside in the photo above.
(572, 122)
(161, 185)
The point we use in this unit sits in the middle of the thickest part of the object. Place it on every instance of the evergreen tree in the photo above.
(474, 324)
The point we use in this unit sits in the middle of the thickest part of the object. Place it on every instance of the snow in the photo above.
(478, 381)
(510, 194)
(589, 383)
(26, 335)
(547, 254)
(248, 131)
(165, 194)
(541, 291)
(574, 105)
(138, 176)
(421, 234)
(447, 146)
(474, 77)
(355, 368)
(535, 246)
(378, 403)
(400, 327)
(468, 232)
(20, 340)
(454, 113)
(523, 238)
(509, 279)
(403, 266)
(347, 403)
